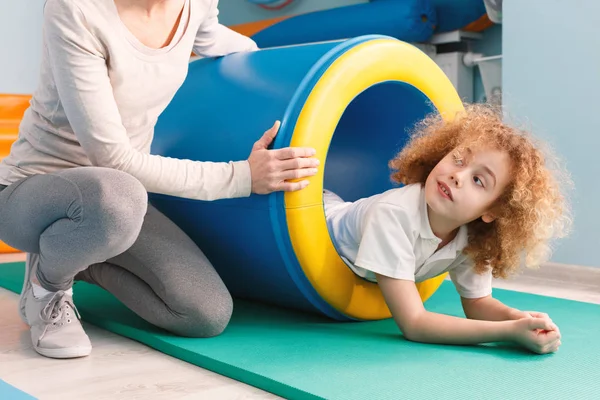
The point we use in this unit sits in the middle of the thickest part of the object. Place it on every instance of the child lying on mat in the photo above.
(478, 201)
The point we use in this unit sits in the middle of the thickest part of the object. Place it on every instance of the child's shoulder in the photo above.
(408, 197)
(398, 208)
(406, 200)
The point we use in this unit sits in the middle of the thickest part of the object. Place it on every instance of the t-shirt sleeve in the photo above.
(79, 66)
(470, 284)
(386, 246)
(214, 39)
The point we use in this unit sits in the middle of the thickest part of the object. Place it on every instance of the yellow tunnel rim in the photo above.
(356, 70)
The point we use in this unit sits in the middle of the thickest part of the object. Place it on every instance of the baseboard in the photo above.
(557, 275)
(12, 257)
(563, 274)
(565, 281)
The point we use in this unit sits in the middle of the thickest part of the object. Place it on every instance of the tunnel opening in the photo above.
(372, 130)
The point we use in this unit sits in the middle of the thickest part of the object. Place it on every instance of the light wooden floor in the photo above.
(120, 368)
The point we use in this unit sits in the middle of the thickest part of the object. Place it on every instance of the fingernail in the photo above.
(315, 170)
(313, 152)
(317, 162)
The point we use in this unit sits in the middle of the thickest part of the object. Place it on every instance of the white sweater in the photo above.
(101, 92)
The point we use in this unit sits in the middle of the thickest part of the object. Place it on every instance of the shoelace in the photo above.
(57, 307)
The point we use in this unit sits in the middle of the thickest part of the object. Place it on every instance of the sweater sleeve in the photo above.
(79, 66)
(214, 39)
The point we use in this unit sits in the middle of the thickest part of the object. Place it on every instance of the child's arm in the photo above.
(418, 324)
(484, 308)
(490, 309)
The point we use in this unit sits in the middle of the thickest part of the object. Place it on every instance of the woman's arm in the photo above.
(418, 324)
(79, 67)
(214, 39)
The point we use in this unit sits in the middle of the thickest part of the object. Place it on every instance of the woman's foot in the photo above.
(56, 331)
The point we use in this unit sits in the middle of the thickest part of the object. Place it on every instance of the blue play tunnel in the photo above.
(352, 101)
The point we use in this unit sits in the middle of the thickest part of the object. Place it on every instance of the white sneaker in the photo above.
(30, 268)
(56, 331)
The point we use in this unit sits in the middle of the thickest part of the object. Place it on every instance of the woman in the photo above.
(74, 187)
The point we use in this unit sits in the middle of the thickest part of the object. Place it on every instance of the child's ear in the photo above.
(487, 218)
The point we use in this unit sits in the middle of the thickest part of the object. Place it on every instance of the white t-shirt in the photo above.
(101, 92)
(389, 234)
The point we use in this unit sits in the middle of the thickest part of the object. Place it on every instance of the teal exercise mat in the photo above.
(301, 356)
(9, 392)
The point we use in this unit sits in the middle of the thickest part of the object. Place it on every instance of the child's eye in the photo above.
(478, 181)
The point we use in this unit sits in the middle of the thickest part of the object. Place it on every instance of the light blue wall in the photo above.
(489, 45)
(551, 77)
(233, 12)
(20, 45)
(21, 34)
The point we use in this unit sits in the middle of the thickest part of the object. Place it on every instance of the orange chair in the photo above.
(12, 108)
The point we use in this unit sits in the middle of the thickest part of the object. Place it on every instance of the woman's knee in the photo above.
(113, 201)
(205, 320)
(104, 203)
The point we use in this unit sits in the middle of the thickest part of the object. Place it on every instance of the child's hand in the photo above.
(539, 335)
(518, 314)
(533, 314)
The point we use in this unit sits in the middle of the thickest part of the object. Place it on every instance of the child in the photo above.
(478, 201)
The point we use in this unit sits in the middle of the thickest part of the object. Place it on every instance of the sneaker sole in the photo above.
(72, 352)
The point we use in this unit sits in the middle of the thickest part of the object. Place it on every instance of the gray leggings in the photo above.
(95, 224)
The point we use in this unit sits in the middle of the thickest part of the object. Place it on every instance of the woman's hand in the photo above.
(272, 170)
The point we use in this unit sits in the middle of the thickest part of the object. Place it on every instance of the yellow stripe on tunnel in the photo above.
(358, 69)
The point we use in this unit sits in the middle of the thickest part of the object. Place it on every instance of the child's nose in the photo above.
(456, 179)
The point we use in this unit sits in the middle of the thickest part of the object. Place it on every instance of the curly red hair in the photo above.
(531, 211)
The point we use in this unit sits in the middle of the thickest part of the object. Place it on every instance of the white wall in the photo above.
(551, 78)
(20, 45)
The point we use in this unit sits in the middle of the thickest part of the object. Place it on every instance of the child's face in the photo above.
(464, 185)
